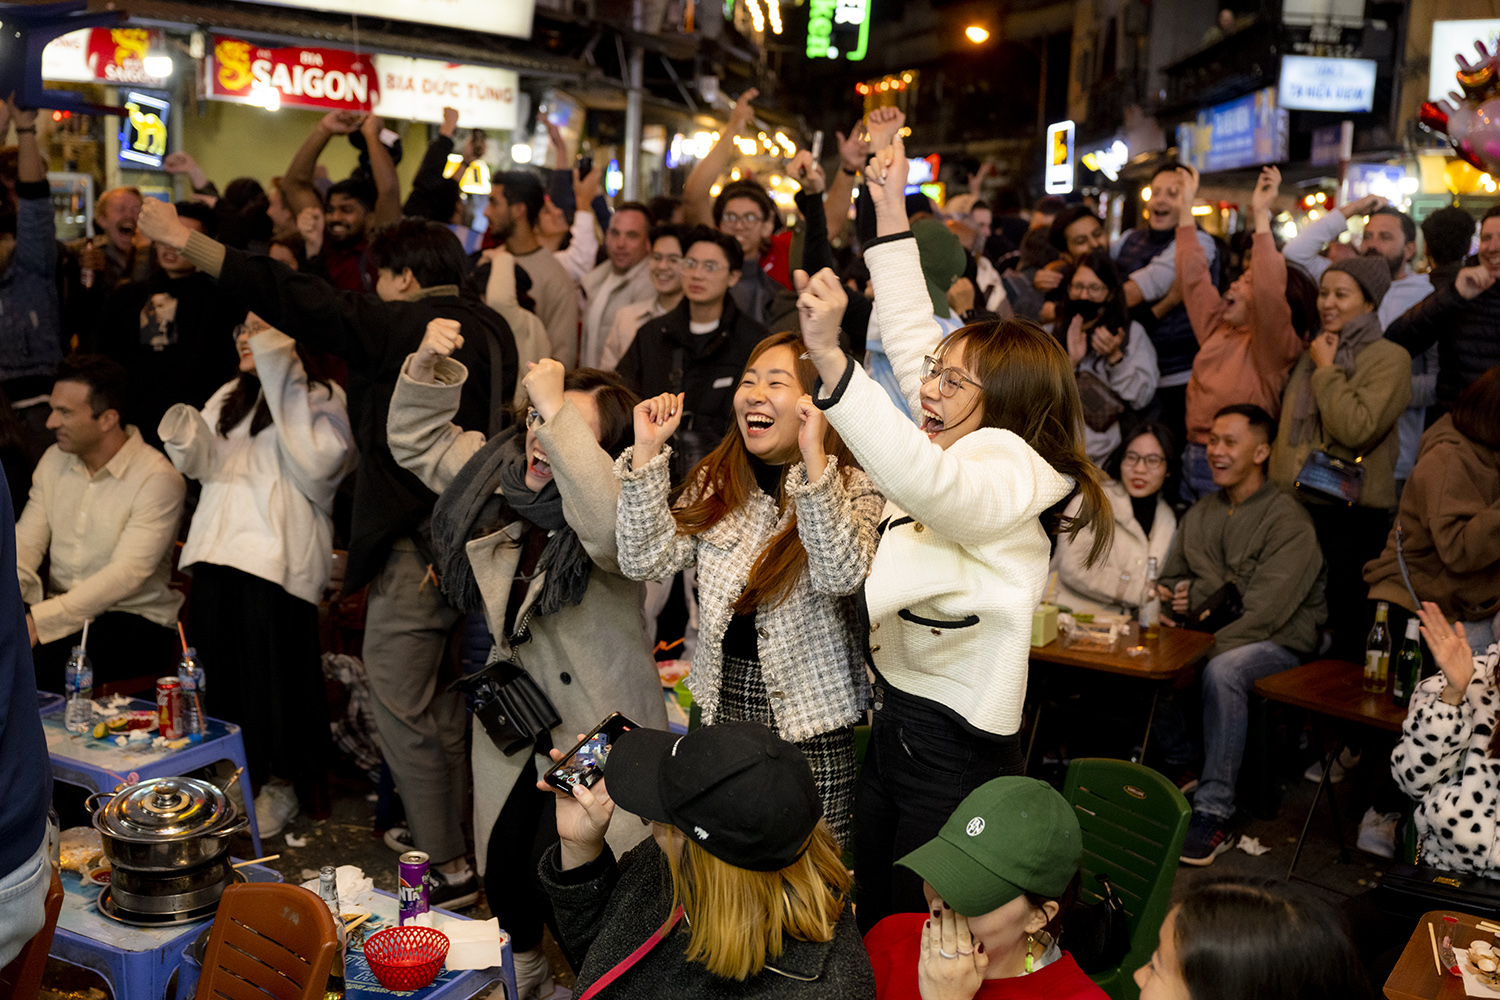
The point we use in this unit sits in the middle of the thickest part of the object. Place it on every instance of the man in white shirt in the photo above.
(619, 281)
(105, 506)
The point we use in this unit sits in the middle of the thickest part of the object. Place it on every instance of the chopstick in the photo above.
(1486, 925)
(255, 861)
(356, 922)
(1436, 962)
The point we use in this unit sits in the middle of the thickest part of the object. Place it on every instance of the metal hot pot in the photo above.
(167, 840)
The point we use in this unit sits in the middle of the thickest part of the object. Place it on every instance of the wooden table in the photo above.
(1159, 660)
(1332, 688)
(1415, 977)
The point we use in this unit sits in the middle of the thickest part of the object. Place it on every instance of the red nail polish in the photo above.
(981, 947)
(936, 914)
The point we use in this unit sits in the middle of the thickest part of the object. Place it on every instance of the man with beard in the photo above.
(515, 206)
(355, 207)
(1392, 236)
(174, 332)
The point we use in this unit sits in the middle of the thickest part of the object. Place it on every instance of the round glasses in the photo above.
(951, 379)
(1152, 462)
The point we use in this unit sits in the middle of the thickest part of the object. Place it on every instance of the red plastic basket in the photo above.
(406, 958)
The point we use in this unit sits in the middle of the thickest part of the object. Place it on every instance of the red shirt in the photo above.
(893, 945)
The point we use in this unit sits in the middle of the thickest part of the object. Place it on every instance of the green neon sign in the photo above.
(831, 23)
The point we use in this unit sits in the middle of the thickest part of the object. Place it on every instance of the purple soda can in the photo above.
(411, 868)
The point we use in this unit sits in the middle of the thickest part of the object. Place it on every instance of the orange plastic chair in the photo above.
(268, 940)
(22, 978)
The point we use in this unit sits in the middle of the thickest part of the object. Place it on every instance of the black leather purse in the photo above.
(1419, 889)
(507, 701)
(1098, 934)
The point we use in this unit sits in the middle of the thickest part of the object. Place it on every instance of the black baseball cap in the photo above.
(737, 790)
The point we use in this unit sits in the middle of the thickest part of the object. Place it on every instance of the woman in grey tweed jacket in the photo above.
(780, 546)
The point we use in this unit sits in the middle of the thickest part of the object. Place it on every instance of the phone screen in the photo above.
(584, 764)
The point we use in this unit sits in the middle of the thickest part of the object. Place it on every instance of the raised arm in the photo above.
(649, 545)
(297, 183)
(36, 228)
(1425, 323)
(383, 169)
(817, 253)
(853, 149)
(313, 434)
(419, 428)
(697, 202)
(188, 440)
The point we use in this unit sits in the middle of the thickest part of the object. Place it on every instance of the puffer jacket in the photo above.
(1463, 330)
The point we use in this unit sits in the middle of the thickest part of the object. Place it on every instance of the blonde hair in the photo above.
(739, 918)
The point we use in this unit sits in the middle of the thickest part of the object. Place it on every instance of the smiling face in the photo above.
(744, 220)
(118, 220)
(1237, 300)
(72, 418)
(666, 266)
(626, 241)
(1235, 450)
(253, 324)
(1489, 245)
(346, 219)
(945, 419)
(1085, 236)
(1340, 299)
(1161, 978)
(765, 405)
(1143, 468)
(538, 468)
(1166, 200)
(1384, 238)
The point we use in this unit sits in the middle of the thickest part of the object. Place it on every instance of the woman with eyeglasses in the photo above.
(270, 448)
(524, 532)
(972, 492)
(1140, 471)
(1113, 359)
(781, 527)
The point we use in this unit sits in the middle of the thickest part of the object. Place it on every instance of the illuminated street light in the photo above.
(977, 34)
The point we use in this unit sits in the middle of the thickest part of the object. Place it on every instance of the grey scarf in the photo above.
(1357, 334)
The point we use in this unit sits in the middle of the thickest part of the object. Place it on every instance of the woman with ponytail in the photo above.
(973, 491)
(782, 527)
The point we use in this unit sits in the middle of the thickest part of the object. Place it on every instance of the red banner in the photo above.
(297, 77)
(103, 55)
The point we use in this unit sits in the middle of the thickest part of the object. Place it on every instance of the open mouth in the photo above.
(932, 424)
(539, 466)
(757, 424)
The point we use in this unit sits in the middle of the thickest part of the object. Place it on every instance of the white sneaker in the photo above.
(1346, 762)
(399, 839)
(1377, 833)
(274, 807)
(533, 974)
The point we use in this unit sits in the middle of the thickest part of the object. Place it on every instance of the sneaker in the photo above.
(1377, 833)
(399, 839)
(1345, 763)
(452, 895)
(1187, 781)
(274, 807)
(1206, 839)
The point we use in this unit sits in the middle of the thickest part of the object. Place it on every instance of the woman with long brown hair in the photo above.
(782, 528)
(973, 492)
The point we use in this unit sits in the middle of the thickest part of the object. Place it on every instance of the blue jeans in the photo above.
(1228, 681)
(23, 902)
(1197, 479)
(1480, 635)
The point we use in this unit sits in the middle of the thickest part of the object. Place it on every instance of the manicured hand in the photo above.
(961, 295)
(885, 126)
(743, 113)
(544, 386)
(821, 302)
(159, 222)
(810, 437)
(940, 977)
(1362, 206)
(1078, 341)
(1322, 349)
(440, 341)
(310, 226)
(1108, 346)
(853, 148)
(1450, 647)
(342, 122)
(656, 420)
(1267, 187)
(807, 172)
(1471, 281)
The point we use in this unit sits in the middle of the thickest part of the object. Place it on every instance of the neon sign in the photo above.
(831, 23)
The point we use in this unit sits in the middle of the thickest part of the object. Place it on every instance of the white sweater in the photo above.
(267, 500)
(963, 559)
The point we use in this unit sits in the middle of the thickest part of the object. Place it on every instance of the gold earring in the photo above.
(1030, 940)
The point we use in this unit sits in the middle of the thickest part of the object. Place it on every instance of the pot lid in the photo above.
(166, 809)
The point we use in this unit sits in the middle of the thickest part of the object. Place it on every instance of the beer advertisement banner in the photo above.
(297, 76)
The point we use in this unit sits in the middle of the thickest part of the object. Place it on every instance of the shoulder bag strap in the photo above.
(634, 957)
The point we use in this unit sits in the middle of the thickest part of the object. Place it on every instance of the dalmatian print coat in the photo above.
(1442, 761)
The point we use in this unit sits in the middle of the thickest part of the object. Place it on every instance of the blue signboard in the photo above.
(1245, 132)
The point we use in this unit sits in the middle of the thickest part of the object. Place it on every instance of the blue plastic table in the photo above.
(100, 765)
(136, 962)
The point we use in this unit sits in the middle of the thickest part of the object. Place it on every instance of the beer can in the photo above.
(169, 707)
(411, 869)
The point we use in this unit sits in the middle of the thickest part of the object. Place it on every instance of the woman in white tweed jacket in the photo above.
(780, 546)
(972, 492)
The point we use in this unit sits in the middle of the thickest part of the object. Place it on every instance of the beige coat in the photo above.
(590, 659)
(1118, 581)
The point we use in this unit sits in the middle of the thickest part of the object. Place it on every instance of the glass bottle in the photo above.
(328, 890)
(1150, 619)
(1378, 651)
(1408, 670)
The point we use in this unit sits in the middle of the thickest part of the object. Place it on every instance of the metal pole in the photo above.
(631, 190)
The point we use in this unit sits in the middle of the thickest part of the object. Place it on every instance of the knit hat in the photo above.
(943, 260)
(1011, 835)
(1373, 273)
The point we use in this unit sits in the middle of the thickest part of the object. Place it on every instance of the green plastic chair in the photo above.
(1133, 822)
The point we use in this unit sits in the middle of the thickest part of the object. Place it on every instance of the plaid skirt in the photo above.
(743, 698)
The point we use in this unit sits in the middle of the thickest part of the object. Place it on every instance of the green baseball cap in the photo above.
(1011, 835)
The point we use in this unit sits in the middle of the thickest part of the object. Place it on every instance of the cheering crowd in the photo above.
(842, 469)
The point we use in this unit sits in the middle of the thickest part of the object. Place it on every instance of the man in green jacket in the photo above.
(1259, 538)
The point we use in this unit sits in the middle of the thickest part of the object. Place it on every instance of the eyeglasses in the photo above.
(693, 263)
(1152, 462)
(749, 218)
(1094, 289)
(533, 418)
(952, 379)
(675, 259)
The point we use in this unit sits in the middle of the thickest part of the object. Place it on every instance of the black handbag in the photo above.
(507, 701)
(1218, 610)
(1332, 479)
(1102, 406)
(1417, 889)
(1099, 933)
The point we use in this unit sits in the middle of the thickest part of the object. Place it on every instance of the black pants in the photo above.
(122, 646)
(1349, 537)
(263, 668)
(524, 830)
(920, 765)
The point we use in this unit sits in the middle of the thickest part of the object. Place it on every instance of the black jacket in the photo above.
(710, 363)
(375, 337)
(1465, 331)
(606, 910)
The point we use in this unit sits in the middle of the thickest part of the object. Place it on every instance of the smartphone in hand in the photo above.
(584, 764)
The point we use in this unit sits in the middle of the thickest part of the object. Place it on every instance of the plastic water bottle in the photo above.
(190, 676)
(78, 682)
